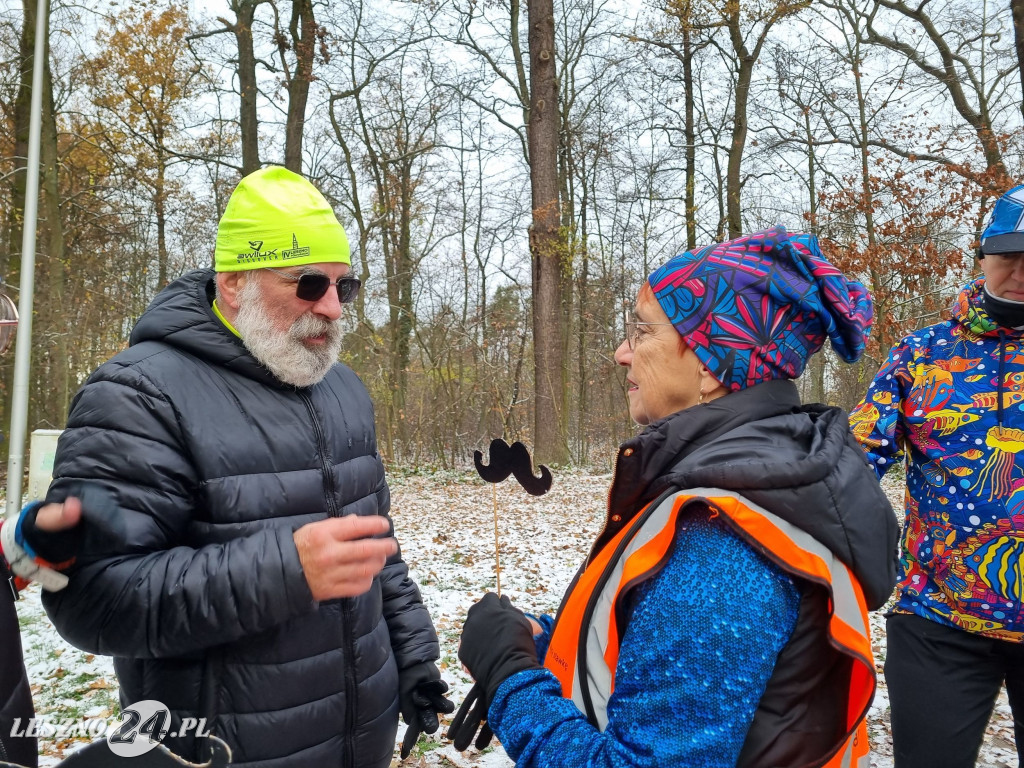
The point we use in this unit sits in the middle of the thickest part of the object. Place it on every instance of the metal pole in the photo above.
(23, 342)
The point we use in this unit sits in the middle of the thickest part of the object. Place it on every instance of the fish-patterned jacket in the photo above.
(950, 398)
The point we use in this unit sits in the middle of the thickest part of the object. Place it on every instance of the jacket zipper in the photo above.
(348, 760)
(608, 515)
(351, 689)
(321, 449)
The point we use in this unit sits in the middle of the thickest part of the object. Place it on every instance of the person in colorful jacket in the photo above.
(949, 401)
(720, 619)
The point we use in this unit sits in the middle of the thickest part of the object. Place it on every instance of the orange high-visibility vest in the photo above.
(584, 648)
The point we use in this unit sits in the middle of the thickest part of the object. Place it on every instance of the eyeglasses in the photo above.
(633, 329)
(311, 286)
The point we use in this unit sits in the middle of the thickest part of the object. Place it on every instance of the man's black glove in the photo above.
(497, 642)
(101, 522)
(421, 696)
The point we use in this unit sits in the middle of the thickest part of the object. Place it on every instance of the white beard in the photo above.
(283, 352)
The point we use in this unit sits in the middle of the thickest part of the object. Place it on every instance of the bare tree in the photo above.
(547, 242)
(304, 35)
(1017, 10)
(385, 121)
(747, 43)
(949, 48)
(143, 80)
(248, 90)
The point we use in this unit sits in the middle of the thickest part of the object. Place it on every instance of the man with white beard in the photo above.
(259, 587)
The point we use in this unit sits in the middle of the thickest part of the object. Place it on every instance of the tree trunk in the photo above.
(403, 327)
(867, 205)
(248, 123)
(22, 107)
(19, 180)
(812, 183)
(517, 55)
(547, 244)
(47, 400)
(690, 132)
(745, 71)
(160, 210)
(1017, 9)
(582, 393)
(303, 30)
(55, 393)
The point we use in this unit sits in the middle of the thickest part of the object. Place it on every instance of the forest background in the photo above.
(508, 174)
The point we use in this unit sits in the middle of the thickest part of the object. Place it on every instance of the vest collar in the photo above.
(644, 460)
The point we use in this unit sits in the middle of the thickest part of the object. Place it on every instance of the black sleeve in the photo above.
(413, 638)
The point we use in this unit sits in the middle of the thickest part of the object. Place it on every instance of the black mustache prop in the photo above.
(470, 722)
(504, 460)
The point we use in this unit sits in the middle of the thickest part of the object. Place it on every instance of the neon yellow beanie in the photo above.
(276, 218)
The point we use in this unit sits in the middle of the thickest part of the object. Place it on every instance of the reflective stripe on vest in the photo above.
(586, 671)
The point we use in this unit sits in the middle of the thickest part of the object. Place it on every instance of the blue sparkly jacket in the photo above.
(724, 658)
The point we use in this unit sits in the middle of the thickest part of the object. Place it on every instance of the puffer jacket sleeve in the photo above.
(876, 421)
(152, 595)
(413, 638)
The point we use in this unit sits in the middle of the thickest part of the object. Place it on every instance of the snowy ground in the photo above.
(445, 524)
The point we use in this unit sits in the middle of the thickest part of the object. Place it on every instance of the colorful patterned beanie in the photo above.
(757, 307)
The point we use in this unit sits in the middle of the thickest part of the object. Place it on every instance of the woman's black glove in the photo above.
(471, 717)
(421, 696)
(497, 642)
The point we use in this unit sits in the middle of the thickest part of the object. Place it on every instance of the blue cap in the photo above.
(1004, 232)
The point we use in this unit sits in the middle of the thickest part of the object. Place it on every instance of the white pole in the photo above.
(23, 342)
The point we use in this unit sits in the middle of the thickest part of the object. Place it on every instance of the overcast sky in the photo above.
(208, 8)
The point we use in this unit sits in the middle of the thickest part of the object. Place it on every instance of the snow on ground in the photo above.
(445, 524)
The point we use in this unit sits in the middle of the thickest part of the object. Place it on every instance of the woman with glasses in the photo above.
(720, 619)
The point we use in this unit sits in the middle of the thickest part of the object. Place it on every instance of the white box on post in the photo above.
(41, 451)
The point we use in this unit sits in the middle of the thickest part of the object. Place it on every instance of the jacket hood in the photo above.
(799, 462)
(182, 316)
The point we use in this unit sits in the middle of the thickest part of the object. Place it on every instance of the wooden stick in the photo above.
(497, 560)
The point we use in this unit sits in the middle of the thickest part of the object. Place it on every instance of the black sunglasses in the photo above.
(311, 286)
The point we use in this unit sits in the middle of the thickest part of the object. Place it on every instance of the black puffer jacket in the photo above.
(215, 464)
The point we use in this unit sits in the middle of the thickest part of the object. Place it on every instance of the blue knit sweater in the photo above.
(693, 665)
